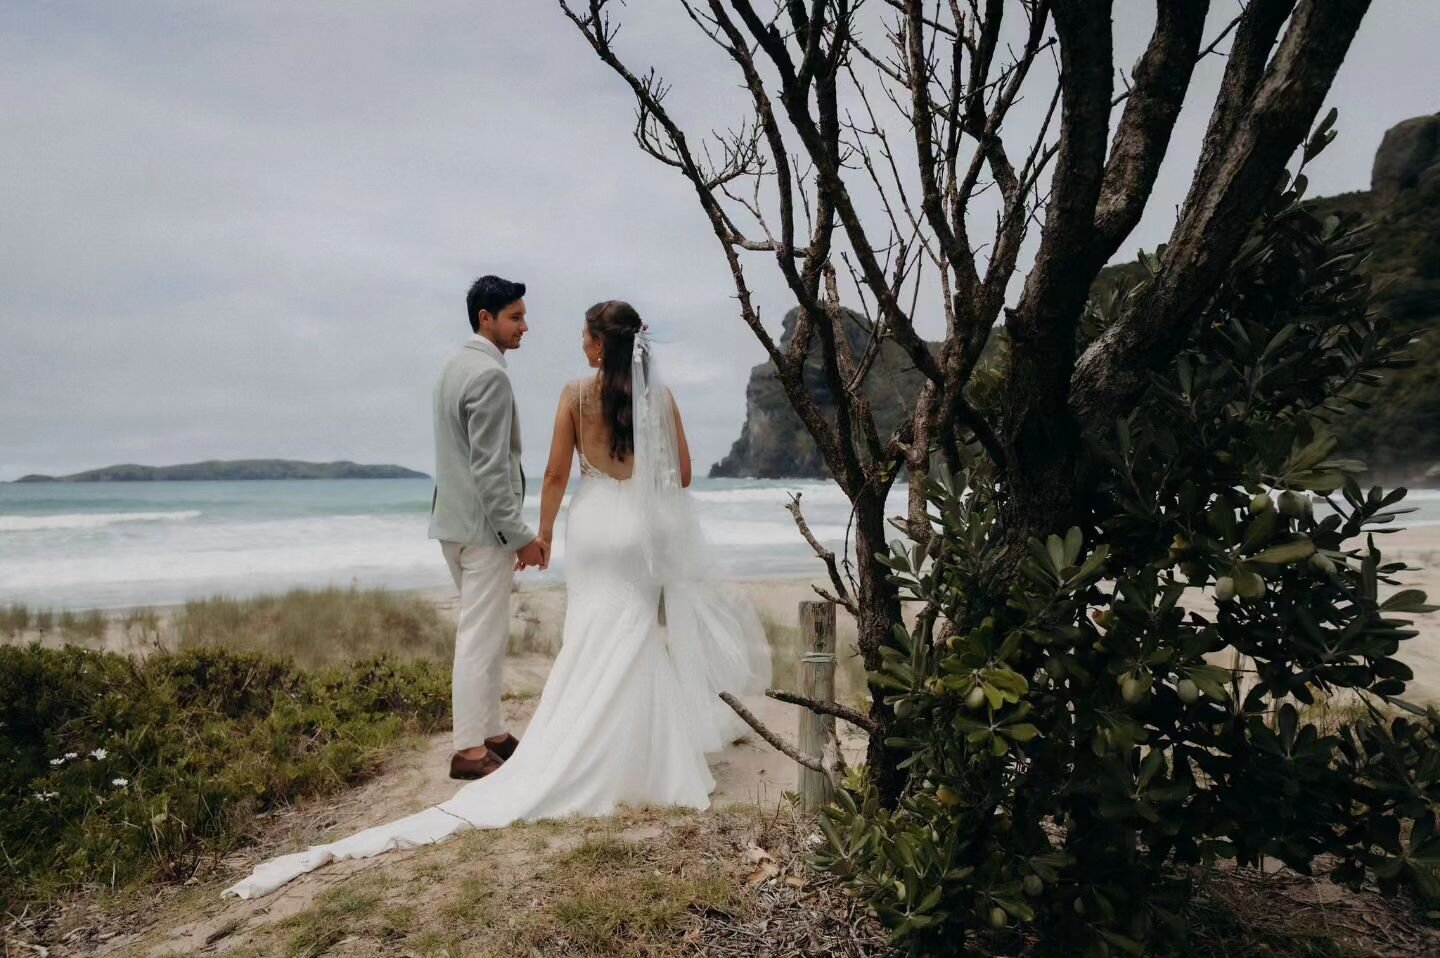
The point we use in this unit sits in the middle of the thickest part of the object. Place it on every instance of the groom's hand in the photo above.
(534, 552)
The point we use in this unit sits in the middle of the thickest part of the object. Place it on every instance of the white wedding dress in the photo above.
(631, 704)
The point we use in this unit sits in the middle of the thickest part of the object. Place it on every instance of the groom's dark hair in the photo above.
(493, 294)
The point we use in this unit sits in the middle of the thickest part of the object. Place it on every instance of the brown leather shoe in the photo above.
(505, 747)
(473, 768)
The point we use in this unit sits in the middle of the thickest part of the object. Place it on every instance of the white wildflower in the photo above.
(46, 796)
(119, 782)
(57, 761)
(99, 753)
(70, 755)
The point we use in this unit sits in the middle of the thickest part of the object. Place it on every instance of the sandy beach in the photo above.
(538, 614)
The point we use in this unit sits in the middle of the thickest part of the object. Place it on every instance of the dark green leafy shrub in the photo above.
(1204, 669)
(114, 770)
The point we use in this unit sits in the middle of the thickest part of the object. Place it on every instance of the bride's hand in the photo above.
(533, 553)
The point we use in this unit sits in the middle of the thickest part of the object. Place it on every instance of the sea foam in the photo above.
(91, 520)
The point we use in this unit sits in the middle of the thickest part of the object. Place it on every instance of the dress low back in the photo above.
(631, 704)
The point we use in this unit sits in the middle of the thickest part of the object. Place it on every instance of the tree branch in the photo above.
(814, 764)
(844, 712)
(1255, 36)
(825, 555)
(1161, 80)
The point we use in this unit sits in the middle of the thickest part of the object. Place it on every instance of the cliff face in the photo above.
(1409, 154)
(774, 443)
(1398, 437)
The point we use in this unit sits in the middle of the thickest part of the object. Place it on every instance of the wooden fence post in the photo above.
(817, 682)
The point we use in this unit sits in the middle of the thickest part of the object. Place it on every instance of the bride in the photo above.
(631, 704)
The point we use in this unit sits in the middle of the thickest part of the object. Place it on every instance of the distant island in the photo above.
(216, 469)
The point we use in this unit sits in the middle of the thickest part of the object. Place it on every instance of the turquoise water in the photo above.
(107, 545)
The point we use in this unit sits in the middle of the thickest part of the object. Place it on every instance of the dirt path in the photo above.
(751, 778)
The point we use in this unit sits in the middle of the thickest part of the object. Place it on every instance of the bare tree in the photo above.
(792, 179)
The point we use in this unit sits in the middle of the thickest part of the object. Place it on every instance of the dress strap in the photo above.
(587, 468)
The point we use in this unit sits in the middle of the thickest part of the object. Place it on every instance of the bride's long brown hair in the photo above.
(614, 324)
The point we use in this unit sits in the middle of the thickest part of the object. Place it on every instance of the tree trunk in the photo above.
(879, 603)
(1040, 436)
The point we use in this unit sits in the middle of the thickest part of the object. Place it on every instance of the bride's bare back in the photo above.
(593, 434)
(581, 428)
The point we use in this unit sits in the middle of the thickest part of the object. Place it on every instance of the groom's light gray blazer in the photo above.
(479, 485)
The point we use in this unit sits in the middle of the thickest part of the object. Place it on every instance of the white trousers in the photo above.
(484, 575)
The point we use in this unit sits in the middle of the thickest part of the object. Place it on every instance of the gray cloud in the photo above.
(246, 230)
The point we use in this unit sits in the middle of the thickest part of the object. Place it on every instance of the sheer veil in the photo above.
(715, 638)
(656, 469)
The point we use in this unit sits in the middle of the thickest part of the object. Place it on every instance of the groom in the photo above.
(475, 513)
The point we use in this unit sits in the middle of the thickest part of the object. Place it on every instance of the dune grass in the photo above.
(143, 622)
(18, 619)
(116, 770)
(531, 637)
(83, 625)
(320, 627)
(15, 618)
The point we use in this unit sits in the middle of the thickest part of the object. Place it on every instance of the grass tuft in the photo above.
(606, 850)
(15, 618)
(83, 625)
(336, 913)
(631, 908)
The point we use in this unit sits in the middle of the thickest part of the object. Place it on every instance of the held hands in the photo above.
(536, 552)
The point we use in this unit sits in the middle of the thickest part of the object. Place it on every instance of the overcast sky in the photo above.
(246, 229)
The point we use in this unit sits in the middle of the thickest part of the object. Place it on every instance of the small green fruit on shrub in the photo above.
(1132, 688)
(1249, 585)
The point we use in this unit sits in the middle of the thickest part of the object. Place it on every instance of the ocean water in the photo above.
(109, 545)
